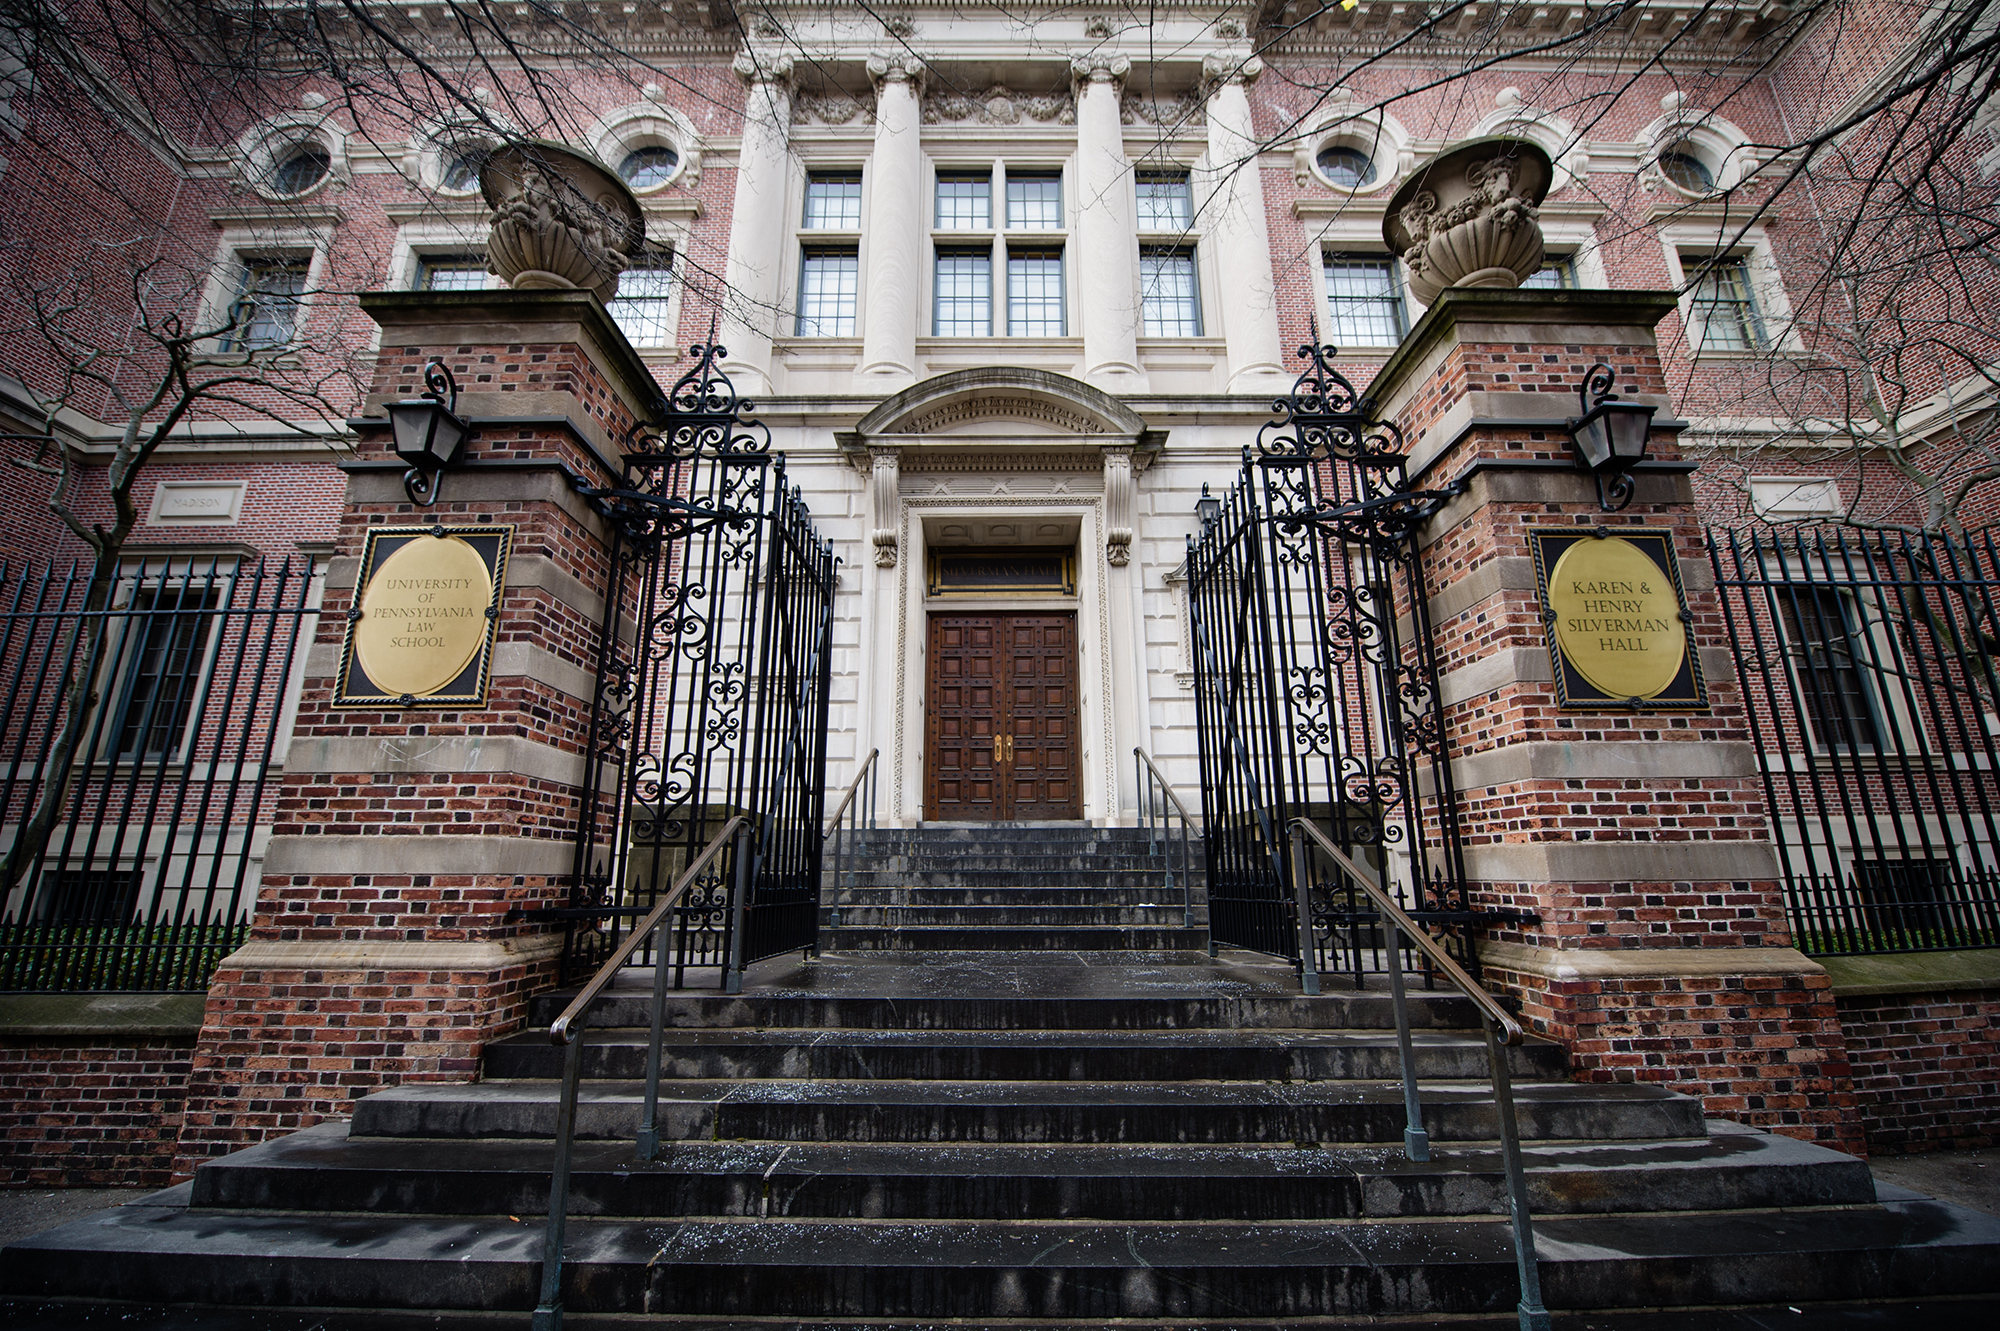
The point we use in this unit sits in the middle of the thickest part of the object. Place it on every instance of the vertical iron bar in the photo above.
(1416, 1141)
(742, 877)
(1534, 1317)
(1301, 878)
(649, 1125)
(549, 1310)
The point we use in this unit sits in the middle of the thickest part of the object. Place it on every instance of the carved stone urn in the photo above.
(561, 219)
(1467, 218)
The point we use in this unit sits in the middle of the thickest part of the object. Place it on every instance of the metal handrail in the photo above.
(867, 767)
(1146, 766)
(568, 1028)
(862, 819)
(1497, 1024)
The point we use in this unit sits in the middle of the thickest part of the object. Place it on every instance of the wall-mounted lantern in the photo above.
(1610, 437)
(1208, 508)
(428, 433)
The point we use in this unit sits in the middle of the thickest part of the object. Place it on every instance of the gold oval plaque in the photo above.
(1617, 618)
(423, 616)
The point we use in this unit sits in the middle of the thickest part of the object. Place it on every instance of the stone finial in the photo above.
(561, 220)
(1469, 218)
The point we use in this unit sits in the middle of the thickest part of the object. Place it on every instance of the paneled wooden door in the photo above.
(1002, 718)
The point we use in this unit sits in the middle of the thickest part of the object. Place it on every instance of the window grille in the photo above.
(1725, 308)
(1165, 202)
(829, 282)
(1035, 293)
(964, 294)
(161, 667)
(964, 203)
(1364, 301)
(266, 308)
(645, 295)
(89, 896)
(1169, 298)
(833, 201)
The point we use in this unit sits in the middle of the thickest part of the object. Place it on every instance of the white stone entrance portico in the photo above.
(996, 458)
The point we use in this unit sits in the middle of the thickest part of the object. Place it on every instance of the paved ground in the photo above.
(25, 1211)
(1968, 1178)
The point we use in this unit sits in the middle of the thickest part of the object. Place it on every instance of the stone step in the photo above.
(1190, 1113)
(1005, 894)
(1131, 1056)
(1733, 1169)
(1025, 861)
(987, 1269)
(872, 876)
(1014, 938)
(1010, 917)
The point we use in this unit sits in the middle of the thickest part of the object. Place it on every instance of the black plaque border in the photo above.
(353, 688)
(1688, 692)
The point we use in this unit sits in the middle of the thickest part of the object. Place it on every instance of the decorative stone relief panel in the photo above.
(999, 105)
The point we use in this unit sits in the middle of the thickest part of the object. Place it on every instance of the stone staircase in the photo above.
(1030, 1127)
(1015, 887)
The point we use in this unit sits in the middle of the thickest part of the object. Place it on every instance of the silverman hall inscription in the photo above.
(1616, 616)
(425, 614)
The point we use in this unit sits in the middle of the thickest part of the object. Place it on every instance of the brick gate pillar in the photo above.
(381, 949)
(1639, 836)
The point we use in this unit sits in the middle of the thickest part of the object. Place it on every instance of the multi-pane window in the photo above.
(963, 294)
(1725, 307)
(1034, 200)
(1035, 293)
(266, 309)
(829, 283)
(1165, 201)
(1364, 301)
(833, 201)
(1558, 274)
(161, 667)
(1169, 302)
(645, 295)
(1820, 626)
(964, 201)
(451, 272)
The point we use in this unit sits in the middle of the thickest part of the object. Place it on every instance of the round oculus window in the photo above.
(460, 173)
(1685, 169)
(649, 167)
(1347, 168)
(305, 166)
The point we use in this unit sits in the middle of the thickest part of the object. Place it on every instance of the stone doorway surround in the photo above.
(996, 448)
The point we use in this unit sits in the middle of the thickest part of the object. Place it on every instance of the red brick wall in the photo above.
(1926, 1068)
(91, 1115)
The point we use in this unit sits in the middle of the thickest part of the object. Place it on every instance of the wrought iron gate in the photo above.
(714, 658)
(1316, 682)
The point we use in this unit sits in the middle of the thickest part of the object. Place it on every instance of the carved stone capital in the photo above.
(769, 68)
(899, 68)
(885, 467)
(1217, 70)
(1088, 69)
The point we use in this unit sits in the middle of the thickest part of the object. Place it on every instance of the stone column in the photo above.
(1639, 836)
(891, 279)
(1127, 625)
(1236, 231)
(384, 947)
(1107, 254)
(758, 221)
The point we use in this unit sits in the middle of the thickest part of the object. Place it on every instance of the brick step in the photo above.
(1107, 1056)
(983, 1269)
(1734, 1169)
(993, 1112)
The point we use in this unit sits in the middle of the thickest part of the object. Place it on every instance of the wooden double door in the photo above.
(1001, 720)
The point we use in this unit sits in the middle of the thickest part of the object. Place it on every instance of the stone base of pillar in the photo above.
(1118, 377)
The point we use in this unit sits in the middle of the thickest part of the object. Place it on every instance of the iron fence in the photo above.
(1870, 669)
(711, 700)
(141, 714)
(1316, 685)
